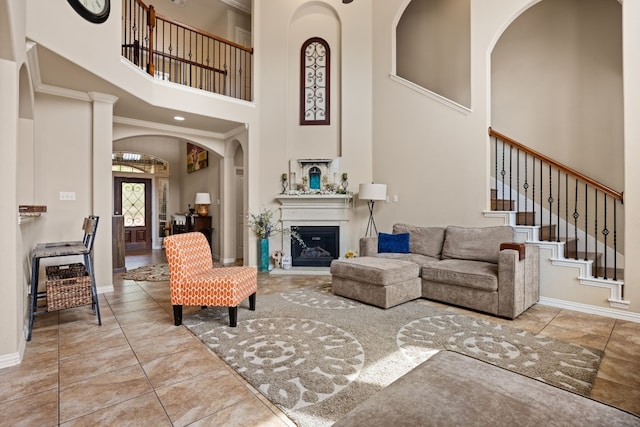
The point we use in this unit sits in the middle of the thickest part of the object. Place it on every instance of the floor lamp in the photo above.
(371, 193)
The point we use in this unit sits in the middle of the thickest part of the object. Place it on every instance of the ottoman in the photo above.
(377, 281)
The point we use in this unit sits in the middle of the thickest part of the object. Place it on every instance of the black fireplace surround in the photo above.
(322, 246)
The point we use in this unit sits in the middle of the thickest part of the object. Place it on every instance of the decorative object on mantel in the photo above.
(265, 226)
(285, 183)
(371, 193)
(203, 200)
(345, 183)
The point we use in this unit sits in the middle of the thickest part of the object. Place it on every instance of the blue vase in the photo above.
(263, 254)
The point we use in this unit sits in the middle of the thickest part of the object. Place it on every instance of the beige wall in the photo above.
(556, 85)
(280, 28)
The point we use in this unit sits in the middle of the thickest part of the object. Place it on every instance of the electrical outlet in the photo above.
(67, 195)
(395, 198)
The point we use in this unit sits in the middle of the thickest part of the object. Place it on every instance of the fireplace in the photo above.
(322, 246)
(318, 212)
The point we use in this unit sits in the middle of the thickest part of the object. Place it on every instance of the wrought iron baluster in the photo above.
(541, 191)
(526, 188)
(595, 235)
(518, 180)
(510, 176)
(615, 242)
(605, 233)
(558, 208)
(586, 222)
(576, 215)
(550, 201)
(566, 208)
(533, 191)
(502, 174)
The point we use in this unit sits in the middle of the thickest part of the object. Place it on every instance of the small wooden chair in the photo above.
(194, 281)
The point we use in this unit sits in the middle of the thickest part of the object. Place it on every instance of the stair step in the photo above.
(619, 273)
(502, 205)
(525, 218)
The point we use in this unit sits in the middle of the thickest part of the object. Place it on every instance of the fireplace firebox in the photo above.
(322, 246)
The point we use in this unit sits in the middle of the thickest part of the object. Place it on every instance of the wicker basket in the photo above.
(68, 286)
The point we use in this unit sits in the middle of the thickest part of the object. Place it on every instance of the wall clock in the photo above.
(96, 11)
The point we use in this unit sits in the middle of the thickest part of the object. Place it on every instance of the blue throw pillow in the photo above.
(396, 243)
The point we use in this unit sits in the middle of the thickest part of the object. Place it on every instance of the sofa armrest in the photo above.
(518, 280)
(369, 246)
(520, 247)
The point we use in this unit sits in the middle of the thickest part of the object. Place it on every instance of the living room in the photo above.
(378, 124)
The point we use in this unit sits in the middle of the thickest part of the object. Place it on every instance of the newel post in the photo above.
(151, 23)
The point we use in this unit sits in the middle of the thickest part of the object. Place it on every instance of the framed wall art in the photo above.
(197, 158)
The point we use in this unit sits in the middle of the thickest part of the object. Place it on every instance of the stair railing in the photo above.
(175, 52)
(551, 195)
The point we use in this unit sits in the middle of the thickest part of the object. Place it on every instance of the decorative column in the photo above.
(102, 186)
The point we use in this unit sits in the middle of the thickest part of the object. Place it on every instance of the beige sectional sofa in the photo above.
(476, 268)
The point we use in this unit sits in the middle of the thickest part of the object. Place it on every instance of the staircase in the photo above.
(557, 208)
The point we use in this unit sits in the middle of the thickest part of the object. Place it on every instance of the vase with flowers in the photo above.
(265, 226)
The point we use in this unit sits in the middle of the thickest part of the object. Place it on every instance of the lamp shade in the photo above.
(373, 191)
(203, 199)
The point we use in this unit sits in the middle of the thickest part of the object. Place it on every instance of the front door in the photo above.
(132, 199)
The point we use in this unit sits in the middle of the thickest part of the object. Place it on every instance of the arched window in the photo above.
(315, 91)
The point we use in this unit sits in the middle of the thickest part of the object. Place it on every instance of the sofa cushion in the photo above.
(421, 260)
(375, 270)
(469, 274)
(394, 243)
(423, 240)
(479, 244)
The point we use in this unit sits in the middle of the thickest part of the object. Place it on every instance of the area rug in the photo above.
(148, 273)
(153, 273)
(317, 356)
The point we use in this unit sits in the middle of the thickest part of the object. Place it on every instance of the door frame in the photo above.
(148, 212)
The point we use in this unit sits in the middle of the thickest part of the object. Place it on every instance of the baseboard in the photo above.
(591, 309)
(13, 359)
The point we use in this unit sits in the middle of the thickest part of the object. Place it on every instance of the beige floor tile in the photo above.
(148, 329)
(244, 413)
(35, 374)
(148, 349)
(102, 391)
(620, 371)
(200, 397)
(193, 361)
(618, 395)
(93, 339)
(39, 409)
(145, 303)
(576, 335)
(156, 314)
(141, 411)
(101, 361)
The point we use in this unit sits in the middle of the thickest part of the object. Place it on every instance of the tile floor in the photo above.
(139, 369)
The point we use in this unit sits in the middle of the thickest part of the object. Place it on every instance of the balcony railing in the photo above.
(568, 206)
(175, 52)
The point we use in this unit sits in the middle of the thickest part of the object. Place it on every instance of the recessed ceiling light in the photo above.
(178, 118)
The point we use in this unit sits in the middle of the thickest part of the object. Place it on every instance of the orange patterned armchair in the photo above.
(194, 281)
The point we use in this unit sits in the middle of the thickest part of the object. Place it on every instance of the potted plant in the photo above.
(264, 225)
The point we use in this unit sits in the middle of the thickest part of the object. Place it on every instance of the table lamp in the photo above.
(203, 200)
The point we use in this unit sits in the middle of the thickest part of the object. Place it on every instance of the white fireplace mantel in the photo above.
(315, 210)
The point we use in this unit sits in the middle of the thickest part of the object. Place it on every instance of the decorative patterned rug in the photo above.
(317, 356)
(148, 273)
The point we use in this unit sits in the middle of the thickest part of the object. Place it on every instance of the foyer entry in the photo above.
(132, 200)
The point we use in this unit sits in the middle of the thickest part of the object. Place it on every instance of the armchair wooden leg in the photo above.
(233, 316)
(177, 315)
(252, 302)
